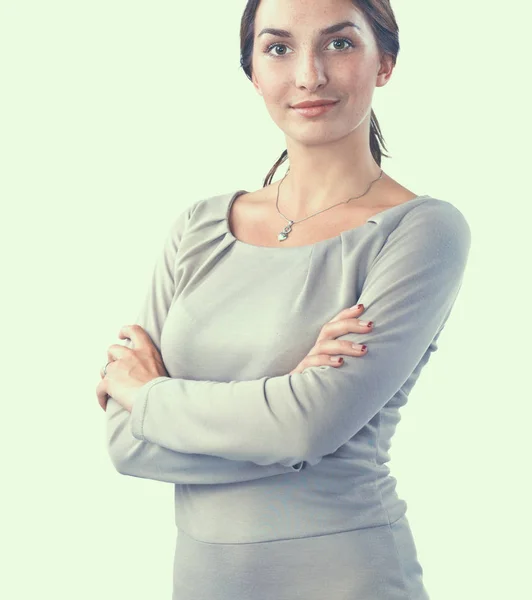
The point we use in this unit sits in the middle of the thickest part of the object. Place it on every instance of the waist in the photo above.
(287, 506)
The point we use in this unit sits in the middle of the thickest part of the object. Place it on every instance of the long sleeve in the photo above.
(146, 459)
(409, 291)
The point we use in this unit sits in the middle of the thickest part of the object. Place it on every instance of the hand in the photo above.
(130, 368)
(327, 346)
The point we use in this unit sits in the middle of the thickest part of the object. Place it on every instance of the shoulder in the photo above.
(258, 197)
(435, 214)
(433, 229)
(413, 210)
(201, 207)
(183, 217)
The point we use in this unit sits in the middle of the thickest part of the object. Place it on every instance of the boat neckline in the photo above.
(235, 195)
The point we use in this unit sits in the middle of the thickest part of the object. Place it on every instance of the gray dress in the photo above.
(281, 483)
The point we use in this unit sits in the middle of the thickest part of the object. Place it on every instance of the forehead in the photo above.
(307, 14)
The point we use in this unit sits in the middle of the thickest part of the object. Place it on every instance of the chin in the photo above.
(322, 133)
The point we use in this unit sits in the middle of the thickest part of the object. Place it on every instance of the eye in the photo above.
(269, 48)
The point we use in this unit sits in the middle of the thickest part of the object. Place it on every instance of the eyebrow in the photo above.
(327, 30)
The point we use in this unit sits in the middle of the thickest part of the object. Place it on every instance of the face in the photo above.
(343, 65)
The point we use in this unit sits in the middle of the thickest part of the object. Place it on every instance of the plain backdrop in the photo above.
(115, 117)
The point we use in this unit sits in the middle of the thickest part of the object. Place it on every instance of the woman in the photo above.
(279, 463)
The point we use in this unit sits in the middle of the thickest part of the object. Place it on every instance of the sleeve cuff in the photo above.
(140, 403)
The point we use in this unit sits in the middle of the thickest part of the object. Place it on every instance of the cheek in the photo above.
(275, 94)
(269, 82)
(352, 76)
(355, 72)
(272, 82)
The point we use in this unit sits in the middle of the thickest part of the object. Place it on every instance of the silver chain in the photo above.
(284, 233)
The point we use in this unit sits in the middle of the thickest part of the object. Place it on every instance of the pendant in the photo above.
(284, 233)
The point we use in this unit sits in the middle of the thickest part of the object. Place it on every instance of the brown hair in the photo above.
(381, 18)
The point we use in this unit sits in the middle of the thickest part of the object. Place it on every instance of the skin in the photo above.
(131, 367)
(330, 156)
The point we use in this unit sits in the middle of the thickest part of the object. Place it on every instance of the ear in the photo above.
(256, 83)
(385, 70)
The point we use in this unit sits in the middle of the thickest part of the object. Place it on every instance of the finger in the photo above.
(101, 393)
(103, 402)
(337, 348)
(104, 370)
(348, 312)
(319, 360)
(136, 334)
(116, 351)
(334, 329)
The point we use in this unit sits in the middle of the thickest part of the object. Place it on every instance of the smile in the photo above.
(315, 111)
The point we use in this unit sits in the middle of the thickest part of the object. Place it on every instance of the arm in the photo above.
(409, 292)
(143, 458)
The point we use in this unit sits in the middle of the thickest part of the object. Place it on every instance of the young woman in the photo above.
(226, 386)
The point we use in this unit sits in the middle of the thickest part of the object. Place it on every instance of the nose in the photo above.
(310, 71)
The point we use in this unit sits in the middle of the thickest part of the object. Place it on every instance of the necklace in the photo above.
(284, 233)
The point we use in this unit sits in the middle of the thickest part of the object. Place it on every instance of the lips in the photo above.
(312, 104)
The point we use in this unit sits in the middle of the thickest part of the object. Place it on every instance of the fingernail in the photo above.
(357, 306)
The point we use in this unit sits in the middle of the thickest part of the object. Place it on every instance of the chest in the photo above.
(259, 224)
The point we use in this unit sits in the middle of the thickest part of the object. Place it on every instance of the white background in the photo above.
(116, 116)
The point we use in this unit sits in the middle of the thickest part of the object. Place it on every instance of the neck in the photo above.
(324, 175)
(306, 201)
